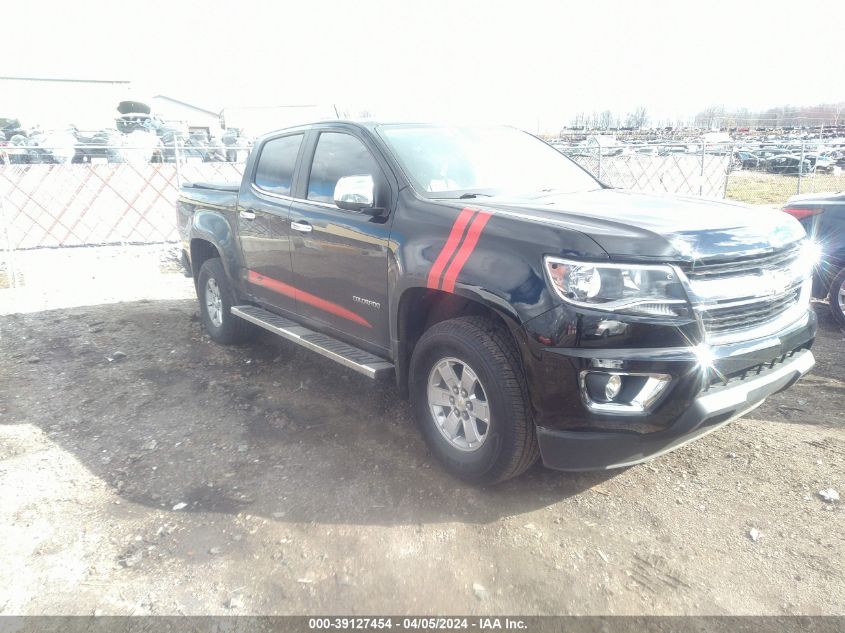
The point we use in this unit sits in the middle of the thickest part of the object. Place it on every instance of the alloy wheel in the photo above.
(213, 302)
(458, 404)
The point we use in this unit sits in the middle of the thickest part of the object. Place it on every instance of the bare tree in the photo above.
(710, 116)
(742, 117)
(604, 119)
(637, 119)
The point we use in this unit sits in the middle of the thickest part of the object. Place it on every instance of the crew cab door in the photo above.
(340, 256)
(263, 222)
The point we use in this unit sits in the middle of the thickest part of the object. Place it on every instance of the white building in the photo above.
(55, 104)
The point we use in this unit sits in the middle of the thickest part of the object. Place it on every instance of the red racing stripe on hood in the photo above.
(449, 248)
(466, 249)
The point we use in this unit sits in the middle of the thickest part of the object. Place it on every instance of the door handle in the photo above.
(247, 215)
(304, 227)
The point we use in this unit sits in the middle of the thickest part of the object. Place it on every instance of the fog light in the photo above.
(605, 387)
(622, 393)
(613, 386)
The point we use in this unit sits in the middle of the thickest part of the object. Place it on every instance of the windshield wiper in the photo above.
(466, 196)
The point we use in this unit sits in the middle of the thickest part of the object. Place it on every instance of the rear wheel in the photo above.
(216, 297)
(837, 298)
(470, 400)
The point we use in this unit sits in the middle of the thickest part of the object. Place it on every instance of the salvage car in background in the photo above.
(823, 218)
(821, 163)
(747, 160)
(788, 165)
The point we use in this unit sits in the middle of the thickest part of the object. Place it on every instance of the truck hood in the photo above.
(631, 225)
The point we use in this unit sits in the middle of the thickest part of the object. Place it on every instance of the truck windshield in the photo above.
(455, 162)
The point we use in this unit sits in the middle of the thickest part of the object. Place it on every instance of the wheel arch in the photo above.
(212, 236)
(201, 251)
(419, 308)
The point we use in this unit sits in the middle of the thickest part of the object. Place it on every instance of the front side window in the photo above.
(338, 155)
(450, 162)
(276, 163)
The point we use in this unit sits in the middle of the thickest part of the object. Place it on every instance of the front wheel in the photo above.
(837, 298)
(216, 296)
(469, 397)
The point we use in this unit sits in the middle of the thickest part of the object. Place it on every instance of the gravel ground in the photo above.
(146, 470)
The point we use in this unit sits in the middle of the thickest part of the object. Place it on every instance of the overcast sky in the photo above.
(524, 63)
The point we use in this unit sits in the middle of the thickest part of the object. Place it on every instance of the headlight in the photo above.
(630, 288)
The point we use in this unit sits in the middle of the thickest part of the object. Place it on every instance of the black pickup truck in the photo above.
(524, 307)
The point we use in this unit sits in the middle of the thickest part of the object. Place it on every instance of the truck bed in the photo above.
(219, 194)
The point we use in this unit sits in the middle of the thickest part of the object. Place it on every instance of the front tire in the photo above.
(216, 297)
(836, 298)
(470, 399)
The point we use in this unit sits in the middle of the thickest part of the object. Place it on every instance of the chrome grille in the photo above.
(732, 294)
(742, 266)
(717, 320)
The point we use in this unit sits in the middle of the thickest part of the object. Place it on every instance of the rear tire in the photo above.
(506, 444)
(216, 297)
(836, 298)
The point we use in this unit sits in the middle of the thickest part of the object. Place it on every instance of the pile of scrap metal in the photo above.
(137, 137)
(20, 146)
(237, 145)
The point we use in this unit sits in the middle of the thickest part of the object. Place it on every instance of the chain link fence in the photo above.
(717, 170)
(52, 205)
(59, 203)
(679, 169)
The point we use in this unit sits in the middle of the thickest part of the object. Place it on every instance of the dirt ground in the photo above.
(182, 477)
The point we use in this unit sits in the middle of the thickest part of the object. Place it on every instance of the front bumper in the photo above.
(572, 436)
(585, 450)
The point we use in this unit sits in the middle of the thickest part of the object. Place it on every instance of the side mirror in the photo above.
(356, 193)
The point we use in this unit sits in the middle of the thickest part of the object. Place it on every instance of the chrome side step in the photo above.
(363, 362)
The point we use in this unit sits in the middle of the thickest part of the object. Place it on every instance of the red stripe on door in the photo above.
(449, 248)
(306, 297)
(468, 245)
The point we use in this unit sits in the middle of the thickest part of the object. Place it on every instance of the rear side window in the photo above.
(276, 163)
(338, 155)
